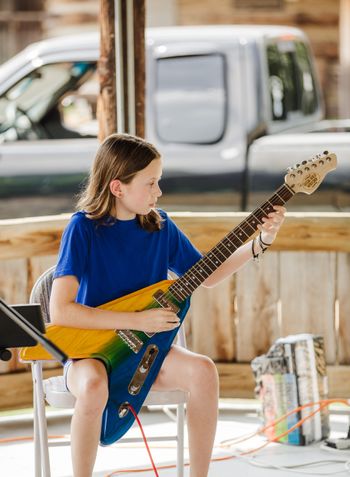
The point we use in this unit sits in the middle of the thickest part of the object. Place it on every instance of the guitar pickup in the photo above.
(160, 298)
(143, 369)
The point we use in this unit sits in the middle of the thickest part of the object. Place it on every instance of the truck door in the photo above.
(48, 138)
(193, 116)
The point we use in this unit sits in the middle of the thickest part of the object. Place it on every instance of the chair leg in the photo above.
(37, 457)
(40, 427)
(180, 439)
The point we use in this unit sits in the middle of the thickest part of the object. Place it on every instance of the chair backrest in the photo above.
(41, 292)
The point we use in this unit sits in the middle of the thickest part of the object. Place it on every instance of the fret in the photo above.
(229, 251)
(281, 200)
(242, 230)
(204, 264)
(219, 251)
(230, 245)
(191, 275)
(178, 295)
(180, 290)
(214, 259)
(201, 270)
(236, 240)
(253, 222)
(185, 281)
(175, 289)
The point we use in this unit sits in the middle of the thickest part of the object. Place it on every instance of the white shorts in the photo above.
(65, 372)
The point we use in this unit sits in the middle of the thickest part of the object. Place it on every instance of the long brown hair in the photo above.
(120, 156)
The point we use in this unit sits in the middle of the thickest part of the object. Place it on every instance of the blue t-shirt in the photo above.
(114, 260)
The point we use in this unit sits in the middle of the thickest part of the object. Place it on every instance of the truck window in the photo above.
(78, 108)
(190, 99)
(37, 106)
(292, 85)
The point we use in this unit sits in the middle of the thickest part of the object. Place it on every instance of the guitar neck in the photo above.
(184, 286)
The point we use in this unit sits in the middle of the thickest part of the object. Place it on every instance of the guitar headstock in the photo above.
(308, 175)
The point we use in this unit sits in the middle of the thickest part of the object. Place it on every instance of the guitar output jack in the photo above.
(123, 410)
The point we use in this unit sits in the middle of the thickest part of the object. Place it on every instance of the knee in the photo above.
(93, 395)
(204, 372)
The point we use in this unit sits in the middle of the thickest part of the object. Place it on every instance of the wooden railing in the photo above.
(301, 285)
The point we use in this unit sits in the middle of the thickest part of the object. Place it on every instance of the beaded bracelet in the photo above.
(263, 244)
(255, 255)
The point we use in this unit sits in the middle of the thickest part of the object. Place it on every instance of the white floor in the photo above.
(16, 459)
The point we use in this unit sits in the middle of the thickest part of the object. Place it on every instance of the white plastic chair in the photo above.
(53, 391)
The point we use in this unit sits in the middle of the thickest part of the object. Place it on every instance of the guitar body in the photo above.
(114, 426)
(122, 360)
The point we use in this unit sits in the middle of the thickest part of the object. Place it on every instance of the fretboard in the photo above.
(184, 286)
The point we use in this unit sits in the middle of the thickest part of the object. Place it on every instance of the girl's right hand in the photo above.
(156, 320)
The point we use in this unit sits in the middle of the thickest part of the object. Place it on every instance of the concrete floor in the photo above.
(236, 418)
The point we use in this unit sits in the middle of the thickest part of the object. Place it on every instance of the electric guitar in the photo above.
(134, 358)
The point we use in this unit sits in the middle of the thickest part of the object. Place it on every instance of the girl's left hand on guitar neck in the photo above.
(272, 224)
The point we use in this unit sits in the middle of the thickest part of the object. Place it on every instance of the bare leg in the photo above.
(87, 380)
(196, 374)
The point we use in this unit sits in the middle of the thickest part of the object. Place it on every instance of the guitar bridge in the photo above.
(143, 369)
(132, 340)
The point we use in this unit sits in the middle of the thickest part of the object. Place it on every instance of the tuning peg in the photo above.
(307, 168)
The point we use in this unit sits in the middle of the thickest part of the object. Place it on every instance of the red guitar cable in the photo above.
(144, 438)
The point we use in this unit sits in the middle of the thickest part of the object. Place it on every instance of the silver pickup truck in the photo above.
(211, 92)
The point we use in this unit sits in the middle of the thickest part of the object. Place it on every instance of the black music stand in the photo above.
(23, 325)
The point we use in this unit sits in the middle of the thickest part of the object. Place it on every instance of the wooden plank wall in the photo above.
(301, 285)
(21, 23)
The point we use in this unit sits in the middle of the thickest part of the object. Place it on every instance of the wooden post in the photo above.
(122, 67)
(140, 66)
(106, 111)
(344, 59)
